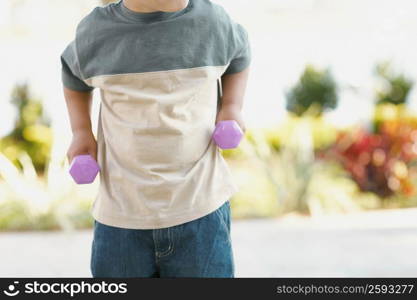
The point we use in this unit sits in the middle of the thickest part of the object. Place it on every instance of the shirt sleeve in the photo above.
(241, 53)
(71, 72)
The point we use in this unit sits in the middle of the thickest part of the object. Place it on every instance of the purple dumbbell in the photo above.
(227, 134)
(84, 169)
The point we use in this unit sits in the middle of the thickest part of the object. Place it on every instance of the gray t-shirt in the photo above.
(158, 77)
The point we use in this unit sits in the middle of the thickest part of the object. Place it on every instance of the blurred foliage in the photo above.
(392, 94)
(31, 202)
(291, 180)
(31, 133)
(323, 134)
(316, 90)
(382, 163)
(394, 88)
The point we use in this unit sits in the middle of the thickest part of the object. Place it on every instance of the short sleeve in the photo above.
(241, 51)
(70, 72)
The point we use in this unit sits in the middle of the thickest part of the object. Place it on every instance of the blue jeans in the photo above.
(199, 248)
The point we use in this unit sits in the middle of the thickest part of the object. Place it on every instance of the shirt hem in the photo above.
(136, 223)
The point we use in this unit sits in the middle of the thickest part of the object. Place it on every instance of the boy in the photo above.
(163, 204)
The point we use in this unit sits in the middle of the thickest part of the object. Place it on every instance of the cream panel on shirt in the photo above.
(159, 164)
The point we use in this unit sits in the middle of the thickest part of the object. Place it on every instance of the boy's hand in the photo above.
(230, 112)
(79, 106)
(83, 142)
(233, 86)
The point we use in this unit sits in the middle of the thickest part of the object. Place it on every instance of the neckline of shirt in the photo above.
(149, 17)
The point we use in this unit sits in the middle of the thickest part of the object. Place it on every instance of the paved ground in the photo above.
(380, 244)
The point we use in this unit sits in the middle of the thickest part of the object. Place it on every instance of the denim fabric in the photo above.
(199, 248)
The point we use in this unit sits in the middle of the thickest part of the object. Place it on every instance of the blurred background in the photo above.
(327, 172)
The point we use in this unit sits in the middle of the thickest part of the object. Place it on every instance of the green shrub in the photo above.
(394, 88)
(315, 91)
(31, 133)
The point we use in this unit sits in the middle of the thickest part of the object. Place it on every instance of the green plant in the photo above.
(394, 87)
(316, 91)
(31, 133)
(295, 167)
(32, 202)
(291, 179)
